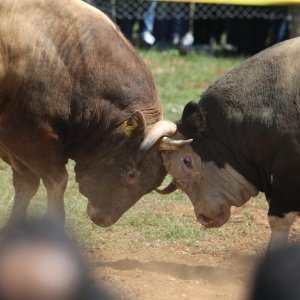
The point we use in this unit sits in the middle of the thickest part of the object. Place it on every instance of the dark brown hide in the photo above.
(68, 82)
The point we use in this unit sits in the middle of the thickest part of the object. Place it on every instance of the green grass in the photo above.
(181, 79)
(155, 219)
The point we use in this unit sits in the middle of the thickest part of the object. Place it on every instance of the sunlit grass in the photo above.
(154, 220)
(181, 79)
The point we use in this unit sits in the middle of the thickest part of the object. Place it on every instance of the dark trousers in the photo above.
(248, 35)
(206, 29)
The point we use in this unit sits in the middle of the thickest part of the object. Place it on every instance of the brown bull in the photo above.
(71, 86)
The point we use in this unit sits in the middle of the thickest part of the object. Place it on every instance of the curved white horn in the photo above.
(167, 143)
(168, 189)
(158, 130)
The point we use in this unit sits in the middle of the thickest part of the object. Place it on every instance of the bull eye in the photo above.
(187, 162)
(132, 176)
(187, 165)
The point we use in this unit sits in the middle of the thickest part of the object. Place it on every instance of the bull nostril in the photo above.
(203, 219)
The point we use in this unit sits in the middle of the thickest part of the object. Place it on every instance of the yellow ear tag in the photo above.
(129, 129)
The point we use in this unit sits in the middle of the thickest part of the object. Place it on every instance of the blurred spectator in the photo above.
(209, 28)
(125, 16)
(278, 276)
(248, 36)
(295, 21)
(129, 12)
(251, 35)
(147, 24)
(39, 262)
(171, 23)
(217, 28)
(279, 31)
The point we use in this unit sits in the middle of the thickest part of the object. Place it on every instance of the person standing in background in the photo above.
(208, 27)
(256, 28)
(131, 11)
(171, 24)
(147, 24)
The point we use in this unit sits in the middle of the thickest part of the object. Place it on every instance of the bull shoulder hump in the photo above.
(102, 16)
(18, 43)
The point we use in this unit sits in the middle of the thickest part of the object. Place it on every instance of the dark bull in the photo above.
(246, 139)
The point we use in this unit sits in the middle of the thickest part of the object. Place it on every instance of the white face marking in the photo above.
(280, 228)
(228, 183)
(247, 189)
(212, 190)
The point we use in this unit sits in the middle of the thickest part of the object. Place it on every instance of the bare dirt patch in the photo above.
(218, 267)
(164, 274)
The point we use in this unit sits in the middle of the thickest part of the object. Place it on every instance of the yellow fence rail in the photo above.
(241, 2)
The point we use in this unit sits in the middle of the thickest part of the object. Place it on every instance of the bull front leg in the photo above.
(38, 147)
(56, 185)
(26, 184)
(280, 228)
(285, 188)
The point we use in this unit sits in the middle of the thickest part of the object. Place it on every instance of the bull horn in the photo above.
(168, 144)
(167, 190)
(158, 130)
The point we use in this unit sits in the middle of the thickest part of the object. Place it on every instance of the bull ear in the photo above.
(193, 118)
(168, 144)
(135, 124)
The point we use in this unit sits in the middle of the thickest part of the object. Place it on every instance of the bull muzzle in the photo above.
(98, 218)
(210, 220)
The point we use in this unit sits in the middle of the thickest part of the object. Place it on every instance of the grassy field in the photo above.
(155, 219)
(181, 79)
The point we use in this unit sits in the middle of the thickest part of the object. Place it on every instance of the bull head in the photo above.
(212, 188)
(161, 132)
(124, 167)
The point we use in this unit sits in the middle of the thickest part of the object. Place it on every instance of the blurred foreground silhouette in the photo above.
(39, 262)
(278, 275)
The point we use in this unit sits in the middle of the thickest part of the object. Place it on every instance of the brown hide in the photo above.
(68, 81)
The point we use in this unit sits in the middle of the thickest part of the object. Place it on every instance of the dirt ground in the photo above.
(187, 272)
(173, 274)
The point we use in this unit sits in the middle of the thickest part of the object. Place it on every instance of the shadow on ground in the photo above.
(177, 270)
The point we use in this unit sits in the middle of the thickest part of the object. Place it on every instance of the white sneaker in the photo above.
(148, 38)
